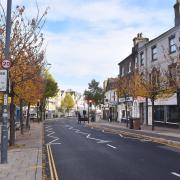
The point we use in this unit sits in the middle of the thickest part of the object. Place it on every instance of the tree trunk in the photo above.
(21, 115)
(152, 100)
(12, 120)
(146, 111)
(28, 118)
(38, 114)
(41, 110)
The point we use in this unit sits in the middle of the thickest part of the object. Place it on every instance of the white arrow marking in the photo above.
(99, 140)
(176, 174)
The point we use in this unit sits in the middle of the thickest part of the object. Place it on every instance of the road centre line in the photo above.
(175, 174)
(111, 146)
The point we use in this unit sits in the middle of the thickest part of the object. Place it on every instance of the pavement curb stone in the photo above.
(164, 141)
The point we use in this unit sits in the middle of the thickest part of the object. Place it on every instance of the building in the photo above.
(110, 99)
(161, 53)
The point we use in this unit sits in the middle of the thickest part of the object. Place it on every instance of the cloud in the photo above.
(98, 35)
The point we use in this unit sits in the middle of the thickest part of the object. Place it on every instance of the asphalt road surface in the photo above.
(82, 153)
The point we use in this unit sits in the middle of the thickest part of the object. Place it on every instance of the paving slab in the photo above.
(25, 158)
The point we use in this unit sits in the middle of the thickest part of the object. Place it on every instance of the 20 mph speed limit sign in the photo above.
(6, 64)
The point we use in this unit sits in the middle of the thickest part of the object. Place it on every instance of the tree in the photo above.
(68, 102)
(157, 85)
(50, 90)
(123, 90)
(25, 52)
(94, 93)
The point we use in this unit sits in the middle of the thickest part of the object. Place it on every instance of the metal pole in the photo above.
(4, 134)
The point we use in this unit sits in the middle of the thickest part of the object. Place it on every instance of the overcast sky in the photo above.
(86, 39)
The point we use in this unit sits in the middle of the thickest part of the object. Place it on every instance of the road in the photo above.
(82, 153)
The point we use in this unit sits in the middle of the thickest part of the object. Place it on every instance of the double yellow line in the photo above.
(52, 166)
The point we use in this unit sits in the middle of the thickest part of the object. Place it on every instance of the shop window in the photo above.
(159, 113)
(172, 116)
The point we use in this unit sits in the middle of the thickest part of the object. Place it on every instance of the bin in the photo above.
(137, 123)
(131, 126)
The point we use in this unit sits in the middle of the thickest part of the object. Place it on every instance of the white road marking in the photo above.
(99, 140)
(121, 135)
(175, 174)
(111, 146)
(49, 129)
(103, 130)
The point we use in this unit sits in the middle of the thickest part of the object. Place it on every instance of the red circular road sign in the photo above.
(6, 64)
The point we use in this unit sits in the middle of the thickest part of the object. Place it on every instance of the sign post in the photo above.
(4, 133)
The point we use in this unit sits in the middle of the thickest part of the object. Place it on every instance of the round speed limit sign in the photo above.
(6, 64)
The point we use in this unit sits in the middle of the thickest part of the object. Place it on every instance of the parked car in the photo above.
(33, 116)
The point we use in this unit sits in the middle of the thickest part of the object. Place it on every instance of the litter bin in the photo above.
(131, 126)
(137, 123)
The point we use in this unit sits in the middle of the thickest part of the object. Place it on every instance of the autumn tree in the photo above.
(25, 52)
(123, 90)
(156, 85)
(67, 103)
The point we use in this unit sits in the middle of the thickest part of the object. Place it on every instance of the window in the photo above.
(154, 53)
(142, 58)
(122, 71)
(136, 62)
(129, 67)
(172, 44)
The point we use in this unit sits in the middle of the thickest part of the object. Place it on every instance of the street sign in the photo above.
(6, 64)
(3, 80)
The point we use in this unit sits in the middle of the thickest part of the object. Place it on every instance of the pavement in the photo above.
(25, 158)
(168, 136)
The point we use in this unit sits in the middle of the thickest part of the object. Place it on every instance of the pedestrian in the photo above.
(110, 117)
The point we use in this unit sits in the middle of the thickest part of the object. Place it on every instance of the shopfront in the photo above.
(166, 112)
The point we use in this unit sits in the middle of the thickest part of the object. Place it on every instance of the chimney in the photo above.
(177, 12)
(140, 39)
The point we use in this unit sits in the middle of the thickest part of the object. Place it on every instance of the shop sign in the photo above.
(141, 99)
(128, 99)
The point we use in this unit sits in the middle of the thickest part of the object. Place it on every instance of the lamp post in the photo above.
(4, 134)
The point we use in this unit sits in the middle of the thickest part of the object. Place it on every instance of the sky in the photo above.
(86, 39)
